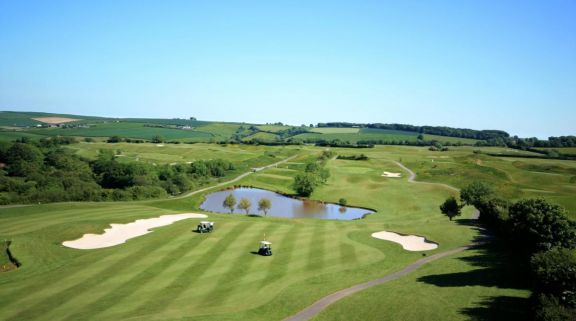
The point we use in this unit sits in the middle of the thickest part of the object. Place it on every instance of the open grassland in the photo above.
(513, 178)
(273, 128)
(174, 273)
(243, 156)
(9, 136)
(125, 129)
(335, 130)
(564, 150)
(353, 135)
(262, 136)
(8, 118)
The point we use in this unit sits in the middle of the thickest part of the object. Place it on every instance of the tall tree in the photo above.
(304, 184)
(229, 202)
(451, 208)
(264, 204)
(540, 225)
(476, 194)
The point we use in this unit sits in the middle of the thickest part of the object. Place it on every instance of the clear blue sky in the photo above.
(507, 65)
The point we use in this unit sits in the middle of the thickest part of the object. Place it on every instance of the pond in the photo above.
(282, 206)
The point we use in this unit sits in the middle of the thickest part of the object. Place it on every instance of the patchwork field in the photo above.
(174, 273)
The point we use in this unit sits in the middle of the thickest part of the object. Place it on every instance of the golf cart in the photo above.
(205, 227)
(265, 248)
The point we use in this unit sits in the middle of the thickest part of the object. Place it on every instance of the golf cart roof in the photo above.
(265, 243)
(205, 222)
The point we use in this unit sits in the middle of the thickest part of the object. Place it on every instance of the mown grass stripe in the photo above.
(190, 275)
(316, 249)
(78, 289)
(148, 273)
(279, 264)
(227, 284)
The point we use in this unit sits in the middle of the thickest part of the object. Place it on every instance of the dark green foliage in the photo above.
(114, 139)
(540, 225)
(432, 130)
(314, 174)
(353, 157)
(44, 172)
(534, 225)
(551, 309)
(555, 274)
(305, 183)
(476, 193)
(342, 202)
(157, 139)
(451, 208)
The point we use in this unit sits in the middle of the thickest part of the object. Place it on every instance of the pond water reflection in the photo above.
(282, 206)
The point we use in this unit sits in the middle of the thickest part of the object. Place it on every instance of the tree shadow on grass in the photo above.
(496, 266)
(497, 308)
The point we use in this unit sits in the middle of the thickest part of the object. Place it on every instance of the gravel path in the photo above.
(321, 304)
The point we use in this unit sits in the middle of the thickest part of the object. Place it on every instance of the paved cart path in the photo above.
(321, 304)
(237, 178)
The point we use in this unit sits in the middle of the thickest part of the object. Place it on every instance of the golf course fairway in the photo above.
(176, 274)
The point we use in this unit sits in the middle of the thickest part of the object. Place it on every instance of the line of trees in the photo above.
(431, 130)
(44, 171)
(539, 230)
(230, 202)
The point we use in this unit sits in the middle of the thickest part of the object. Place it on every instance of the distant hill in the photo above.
(35, 125)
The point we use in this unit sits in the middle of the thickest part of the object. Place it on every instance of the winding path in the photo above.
(237, 178)
(321, 304)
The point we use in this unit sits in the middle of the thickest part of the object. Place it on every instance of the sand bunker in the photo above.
(408, 242)
(55, 120)
(120, 233)
(393, 175)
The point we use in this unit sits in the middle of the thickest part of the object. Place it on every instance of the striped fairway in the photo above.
(177, 274)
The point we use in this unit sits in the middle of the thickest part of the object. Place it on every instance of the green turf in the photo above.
(273, 128)
(9, 136)
(335, 130)
(478, 284)
(175, 274)
(353, 135)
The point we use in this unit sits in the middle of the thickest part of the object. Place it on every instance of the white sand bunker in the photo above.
(393, 175)
(408, 242)
(120, 233)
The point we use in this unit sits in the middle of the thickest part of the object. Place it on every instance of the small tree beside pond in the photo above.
(229, 202)
(264, 205)
(245, 205)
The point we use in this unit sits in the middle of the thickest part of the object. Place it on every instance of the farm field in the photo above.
(174, 273)
(353, 135)
(200, 131)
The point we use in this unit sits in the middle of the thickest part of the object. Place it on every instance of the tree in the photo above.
(555, 274)
(476, 193)
(539, 225)
(245, 205)
(451, 208)
(229, 202)
(157, 139)
(264, 204)
(114, 139)
(304, 184)
(342, 202)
